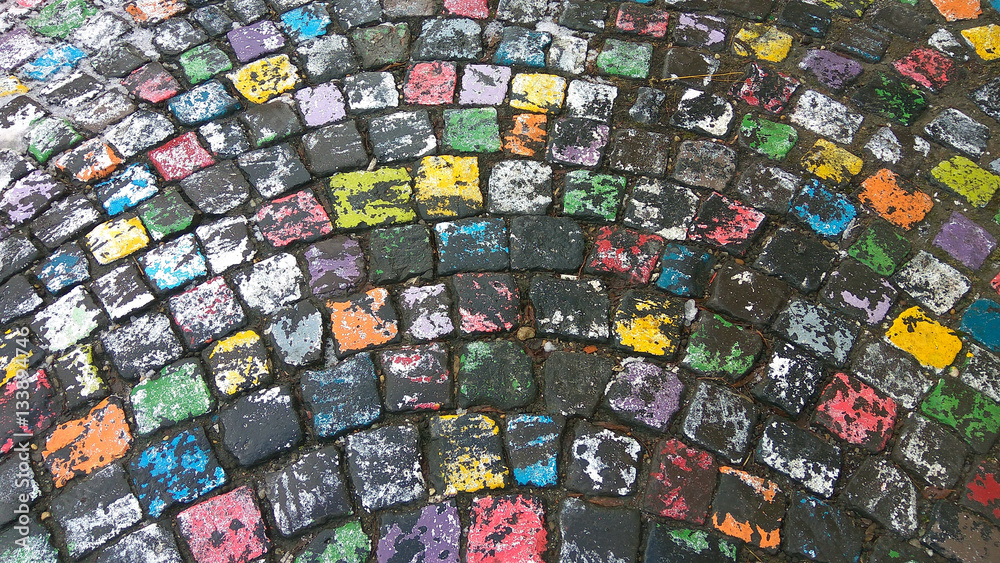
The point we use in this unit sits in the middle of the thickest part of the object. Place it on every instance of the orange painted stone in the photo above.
(954, 10)
(362, 322)
(887, 194)
(82, 446)
(527, 136)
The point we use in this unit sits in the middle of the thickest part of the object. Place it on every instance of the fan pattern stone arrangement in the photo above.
(499, 281)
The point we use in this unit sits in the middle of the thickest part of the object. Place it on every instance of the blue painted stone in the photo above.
(173, 471)
(533, 449)
(342, 397)
(66, 267)
(685, 270)
(469, 245)
(175, 263)
(981, 321)
(203, 103)
(306, 22)
(520, 46)
(54, 61)
(824, 211)
(124, 191)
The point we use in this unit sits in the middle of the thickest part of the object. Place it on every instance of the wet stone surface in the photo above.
(499, 280)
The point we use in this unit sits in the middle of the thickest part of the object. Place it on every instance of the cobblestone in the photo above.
(498, 280)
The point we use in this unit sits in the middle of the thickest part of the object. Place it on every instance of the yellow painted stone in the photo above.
(542, 93)
(262, 80)
(117, 239)
(985, 39)
(967, 179)
(650, 330)
(371, 198)
(247, 372)
(448, 187)
(763, 41)
(471, 471)
(10, 85)
(930, 342)
(830, 162)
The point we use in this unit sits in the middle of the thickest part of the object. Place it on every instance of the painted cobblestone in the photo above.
(400, 280)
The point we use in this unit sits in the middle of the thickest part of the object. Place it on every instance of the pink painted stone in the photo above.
(965, 241)
(297, 217)
(321, 105)
(430, 84)
(152, 83)
(642, 20)
(228, 527)
(467, 8)
(179, 157)
(484, 85)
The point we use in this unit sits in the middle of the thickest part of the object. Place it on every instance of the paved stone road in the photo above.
(499, 281)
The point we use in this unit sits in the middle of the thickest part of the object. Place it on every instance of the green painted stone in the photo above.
(718, 347)
(624, 58)
(166, 214)
(61, 18)
(472, 130)
(768, 138)
(880, 248)
(967, 179)
(972, 414)
(593, 196)
(49, 136)
(496, 373)
(892, 98)
(371, 199)
(204, 62)
(345, 544)
(177, 394)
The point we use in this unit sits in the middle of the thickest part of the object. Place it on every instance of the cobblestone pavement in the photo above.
(499, 281)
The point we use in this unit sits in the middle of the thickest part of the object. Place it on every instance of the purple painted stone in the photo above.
(645, 393)
(321, 104)
(29, 195)
(965, 241)
(578, 141)
(16, 47)
(484, 85)
(431, 534)
(254, 40)
(833, 70)
(336, 265)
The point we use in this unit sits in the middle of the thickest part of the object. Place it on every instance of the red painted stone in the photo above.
(179, 157)
(982, 490)
(995, 284)
(927, 67)
(680, 482)
(506, 529)
(467, 8)
(726, 223)
(856, 412)
(625, 253)
(28, 405)
(225, 528)
(430, 84)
